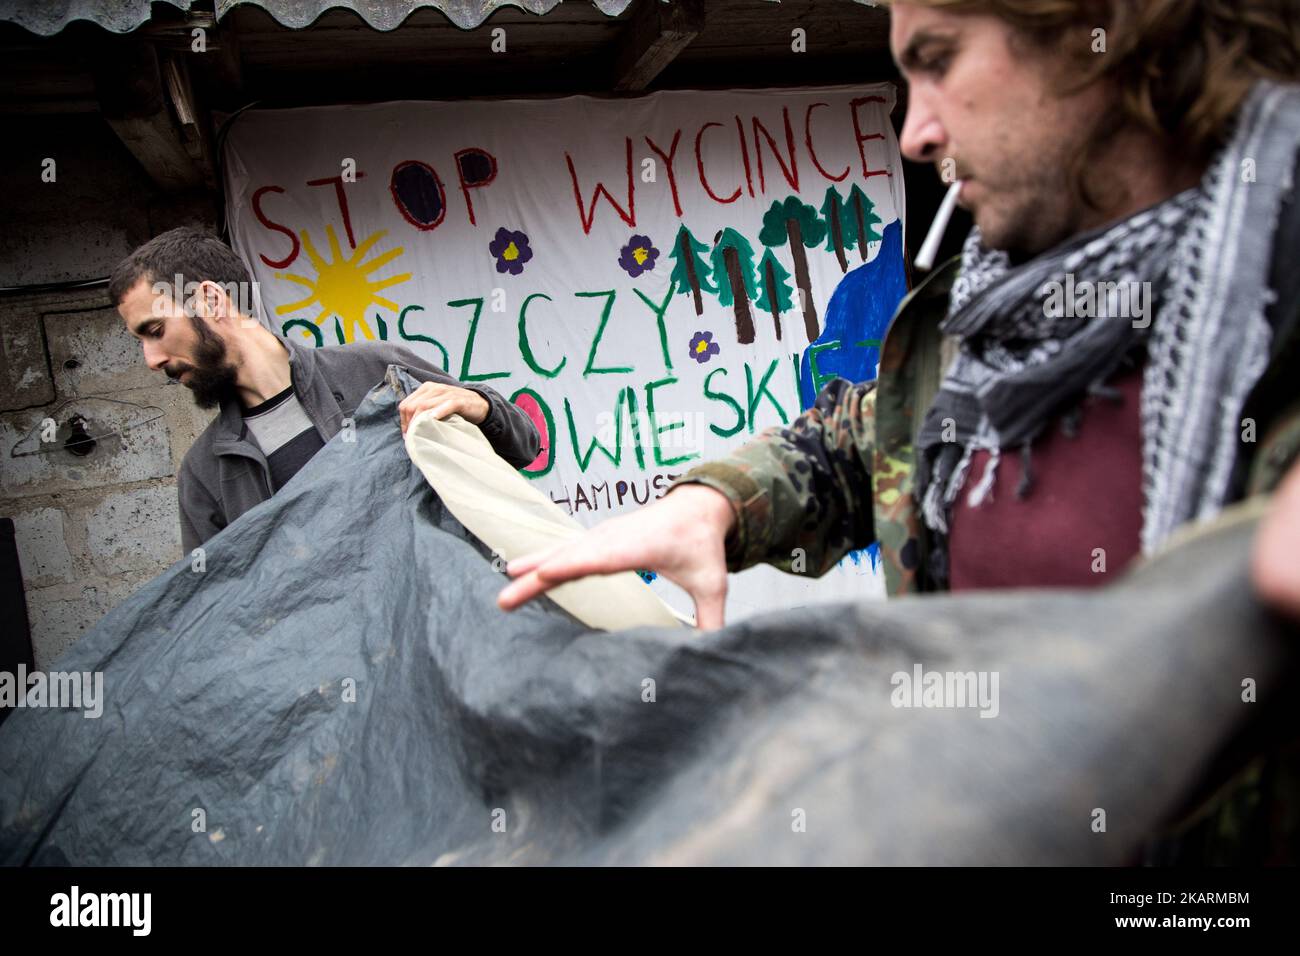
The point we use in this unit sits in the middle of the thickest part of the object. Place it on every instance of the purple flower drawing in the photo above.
(638, 256)
(703, 347)
(511, 250)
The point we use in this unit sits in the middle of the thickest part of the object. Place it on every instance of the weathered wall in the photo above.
(90, 528)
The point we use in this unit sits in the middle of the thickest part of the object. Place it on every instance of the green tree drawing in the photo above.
(797, 223)
(862, 211)
(774, 288)
(842, 226)
(691, 272)
(733, 257)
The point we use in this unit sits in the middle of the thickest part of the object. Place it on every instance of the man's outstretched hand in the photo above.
(1275, 568)
(681, 536)
(444, 400)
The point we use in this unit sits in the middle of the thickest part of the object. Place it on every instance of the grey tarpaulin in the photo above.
(227, 693)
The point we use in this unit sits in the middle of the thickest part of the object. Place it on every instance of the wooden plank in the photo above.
(152, 140)
(192, 119)
(132, 98)
(216, 63)
(653, 39)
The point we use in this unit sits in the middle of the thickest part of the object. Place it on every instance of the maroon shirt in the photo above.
(1086, 494)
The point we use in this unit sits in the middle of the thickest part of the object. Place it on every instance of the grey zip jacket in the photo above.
(225, 474)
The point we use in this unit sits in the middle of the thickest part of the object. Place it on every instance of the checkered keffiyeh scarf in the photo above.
(1028, 352)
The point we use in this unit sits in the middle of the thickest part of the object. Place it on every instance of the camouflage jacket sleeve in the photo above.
(801, 493)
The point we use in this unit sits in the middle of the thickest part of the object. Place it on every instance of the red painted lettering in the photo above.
(587, 217)
(261, 217)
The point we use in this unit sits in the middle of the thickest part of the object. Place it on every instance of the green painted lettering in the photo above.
(600, 331)
(412, 337)
(617, 455)
(660, 310)
(756, 397)
(525, 348)
(723, 397)
(656, 430)
(465, 374)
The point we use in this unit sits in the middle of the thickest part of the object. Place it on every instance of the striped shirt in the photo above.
(285, 434)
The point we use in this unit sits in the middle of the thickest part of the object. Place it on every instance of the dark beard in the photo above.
(212, 377)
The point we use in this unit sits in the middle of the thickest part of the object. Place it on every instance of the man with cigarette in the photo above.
(279, 401)
(1111, 357)
(1015, 437)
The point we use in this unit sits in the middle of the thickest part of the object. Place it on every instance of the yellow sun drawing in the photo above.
(341, 287)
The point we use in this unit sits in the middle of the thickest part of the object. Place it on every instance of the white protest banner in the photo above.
(654, 280)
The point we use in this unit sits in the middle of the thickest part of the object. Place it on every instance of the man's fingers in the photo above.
(710, 608)
(537, 573)
(527, 562)
(407, 408)
(440, 411)
(568, 565)
(521, 591)
(1274, 569)
(521, 566)
(428, 395)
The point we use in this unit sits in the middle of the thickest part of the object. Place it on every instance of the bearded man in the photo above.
(1112, 356)
(187, 297)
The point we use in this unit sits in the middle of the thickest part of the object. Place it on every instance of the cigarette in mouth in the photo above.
(925, 258)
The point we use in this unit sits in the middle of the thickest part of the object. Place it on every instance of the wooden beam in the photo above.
(193, 124)
(652, 40)
(133, 100)
(178, 34)
(214, 53)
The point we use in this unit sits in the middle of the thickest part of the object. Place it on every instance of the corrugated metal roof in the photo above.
(389, 14)
(48, 17)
